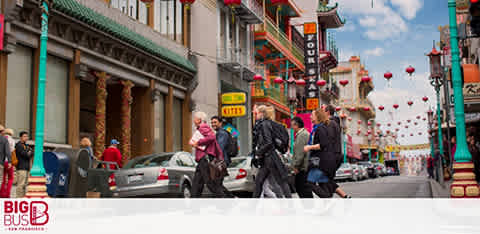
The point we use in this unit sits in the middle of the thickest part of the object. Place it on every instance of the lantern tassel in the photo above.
(233, 14)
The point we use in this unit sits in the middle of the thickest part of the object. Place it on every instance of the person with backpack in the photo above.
(268, 139)
(225, 141)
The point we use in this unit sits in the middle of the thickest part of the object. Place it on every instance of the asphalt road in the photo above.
(389, 187)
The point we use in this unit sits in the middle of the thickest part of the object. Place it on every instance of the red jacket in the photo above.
(209, 141)
(112, 154)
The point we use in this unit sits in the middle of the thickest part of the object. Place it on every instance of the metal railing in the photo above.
(273, 30)
(273, 93)
(254, 6)
(236, 56)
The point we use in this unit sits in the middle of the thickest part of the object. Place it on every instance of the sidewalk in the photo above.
(439, 191)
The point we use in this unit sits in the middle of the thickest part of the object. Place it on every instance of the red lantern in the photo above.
(257, 77)
(424, 119)
(388, 131)
(396, 129)
(408, 120)
(301, 82)
(425, 99)
(381, 108)
(366, 79)
(378, 132)
(343, 116)
(403, 135)
(410, 103)
(349, 118)
(321, 83)
(278, 80)
(353, 109)
(369, 131)
(406, 126)
(279, 2)
(232, 3)
(338, 108)
(388, 75)
(418, 117)
(187, 3)
(415, 123)
(420, 133)
(395, 106)
(366, 108)
(378, 124)
(389, 124)
(343, 82)
(359, 122)
(399, 123)
(411, 134)
(410, 70)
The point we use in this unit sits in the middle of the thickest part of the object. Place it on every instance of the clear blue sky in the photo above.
(389, 37)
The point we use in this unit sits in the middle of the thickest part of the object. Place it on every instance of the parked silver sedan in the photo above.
(155, 175)
(241, 175)
(345, 172)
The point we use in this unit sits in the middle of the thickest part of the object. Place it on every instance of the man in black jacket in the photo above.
(266, 156)
(24, 154)
(4, 152)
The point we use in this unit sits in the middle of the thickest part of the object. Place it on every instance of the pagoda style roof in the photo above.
(341, 69)
(328, 16)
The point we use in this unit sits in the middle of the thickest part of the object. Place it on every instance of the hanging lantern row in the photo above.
(410, 70)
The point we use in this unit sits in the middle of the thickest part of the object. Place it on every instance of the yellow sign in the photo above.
(233, 98)
(312, 103)
(233, 111)
(309, 28)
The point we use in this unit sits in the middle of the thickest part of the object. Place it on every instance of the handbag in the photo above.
(217, 168)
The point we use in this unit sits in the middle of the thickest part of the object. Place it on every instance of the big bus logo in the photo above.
(25, 215)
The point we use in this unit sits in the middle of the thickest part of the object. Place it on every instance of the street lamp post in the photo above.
(464, 184)
(36, 181)
(292, 99)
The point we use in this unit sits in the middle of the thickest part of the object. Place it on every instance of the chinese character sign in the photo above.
(310, 49)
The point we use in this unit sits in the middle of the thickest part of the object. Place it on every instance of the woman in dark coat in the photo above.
(322, 161)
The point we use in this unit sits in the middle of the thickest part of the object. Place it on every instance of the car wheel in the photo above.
(186, 191)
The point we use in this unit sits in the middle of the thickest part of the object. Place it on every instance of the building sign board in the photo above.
(234, 98)
(233, 111)
(312, 103)
(310, 49)
(471, 90)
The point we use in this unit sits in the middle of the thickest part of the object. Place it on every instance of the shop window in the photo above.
(56, 97)
(169, 19)
(159, 140)
(177, 125)
(19, 89)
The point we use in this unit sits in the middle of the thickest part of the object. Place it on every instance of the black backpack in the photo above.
(280, 137)
(232, 146)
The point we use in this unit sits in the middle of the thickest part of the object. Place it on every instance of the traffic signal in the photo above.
(475, 16)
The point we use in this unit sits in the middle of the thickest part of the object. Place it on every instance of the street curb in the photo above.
(438, 190)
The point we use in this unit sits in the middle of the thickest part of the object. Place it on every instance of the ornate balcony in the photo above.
(273, 96)
(250, 12)
(237, 61)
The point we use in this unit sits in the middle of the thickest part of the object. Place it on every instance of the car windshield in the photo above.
(151, 161)
(238, 163)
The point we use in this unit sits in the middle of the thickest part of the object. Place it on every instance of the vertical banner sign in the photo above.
(311, 65)
(310, 49)
(2, 25)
